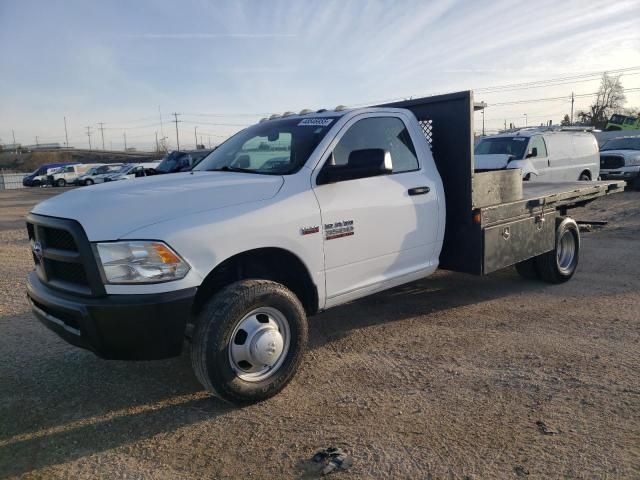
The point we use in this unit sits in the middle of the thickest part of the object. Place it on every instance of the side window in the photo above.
(537, 142)
(387, 133)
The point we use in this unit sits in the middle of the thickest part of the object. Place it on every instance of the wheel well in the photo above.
(274, 264)
(587, 173)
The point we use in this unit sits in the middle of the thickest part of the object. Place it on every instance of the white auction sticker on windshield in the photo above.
(315, 122)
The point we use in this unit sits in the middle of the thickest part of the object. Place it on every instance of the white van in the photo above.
(68, 174)
(543, 155)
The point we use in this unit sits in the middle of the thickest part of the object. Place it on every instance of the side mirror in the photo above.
(369, 162)
(533, 152)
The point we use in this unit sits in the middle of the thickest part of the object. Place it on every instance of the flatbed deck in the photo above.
(539, 197)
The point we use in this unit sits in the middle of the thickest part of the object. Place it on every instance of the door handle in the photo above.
(419, 190)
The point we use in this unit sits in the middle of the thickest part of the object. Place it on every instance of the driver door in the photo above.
(537, 155)
(378, 230)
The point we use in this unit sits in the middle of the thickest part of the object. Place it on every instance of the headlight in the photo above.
(140, 262)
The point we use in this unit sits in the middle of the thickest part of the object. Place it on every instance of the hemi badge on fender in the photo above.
(309, 230)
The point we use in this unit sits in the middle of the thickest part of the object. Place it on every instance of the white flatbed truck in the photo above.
(289, 217)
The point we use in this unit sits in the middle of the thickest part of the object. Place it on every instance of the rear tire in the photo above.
(61, 182)
(88, 182)
(559, 265)
(527, 269)
(246, 324)
(584, 177)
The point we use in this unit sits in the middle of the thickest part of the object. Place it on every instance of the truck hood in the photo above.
(622, 153)
(493, 161)
(111, 210)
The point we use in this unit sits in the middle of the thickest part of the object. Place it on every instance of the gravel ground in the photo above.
(452, 377)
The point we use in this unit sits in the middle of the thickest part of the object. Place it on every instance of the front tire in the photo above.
(248, 341)
(584, 177)
(88, 182)
(559, 265)
(61, 182)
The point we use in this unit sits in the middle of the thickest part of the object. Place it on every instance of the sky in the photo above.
(225, 64)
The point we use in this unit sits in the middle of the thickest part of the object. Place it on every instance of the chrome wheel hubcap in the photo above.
(259, 344)
(566, 252)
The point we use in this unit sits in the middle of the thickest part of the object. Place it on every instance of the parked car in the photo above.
(178, 161)
(39, 176)
(620, 160)
(131, 171)
(64, 175)
(88, 177)
(543, 155)
(235, 255)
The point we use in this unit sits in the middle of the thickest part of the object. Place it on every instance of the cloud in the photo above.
(200, 36)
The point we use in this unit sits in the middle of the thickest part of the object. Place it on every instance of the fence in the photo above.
(11, 181)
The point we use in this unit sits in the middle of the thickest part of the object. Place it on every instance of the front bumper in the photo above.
(624, 173)
(117, 327)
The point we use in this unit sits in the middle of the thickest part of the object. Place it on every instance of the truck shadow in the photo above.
(61, 404)
(439, 292)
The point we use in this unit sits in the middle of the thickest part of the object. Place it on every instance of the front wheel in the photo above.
(248, 341)
(61, 182)
(88, 182)
(584, 177)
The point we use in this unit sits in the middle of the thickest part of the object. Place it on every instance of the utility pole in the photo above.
(66, 136)
(36, 140)
(175, 115)
(157, 145)
(505, 124)
(89, 135)
(483, 122)
(573, 97)
(525, 119)
(195, 134)
(161, 127)
(15, 147)
(102, 133)
(124, 135)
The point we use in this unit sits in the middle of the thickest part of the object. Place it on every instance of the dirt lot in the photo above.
(442, 378)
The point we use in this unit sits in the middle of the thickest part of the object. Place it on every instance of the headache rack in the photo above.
(494, 219)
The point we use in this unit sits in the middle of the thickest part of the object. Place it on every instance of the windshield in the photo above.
(617, 118)
(274, 147)
(515, 146)
(632, 143)
(174, 161)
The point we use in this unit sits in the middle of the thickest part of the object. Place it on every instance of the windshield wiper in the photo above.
(228, 168)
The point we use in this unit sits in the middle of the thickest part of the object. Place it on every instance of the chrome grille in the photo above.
(611, 161)
(63, 255)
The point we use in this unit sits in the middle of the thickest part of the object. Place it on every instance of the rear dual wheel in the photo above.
(558, 265)
(248, 341)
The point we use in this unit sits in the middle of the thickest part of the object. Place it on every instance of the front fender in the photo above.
(525, 165)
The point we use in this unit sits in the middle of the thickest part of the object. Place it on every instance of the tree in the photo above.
(566, 121)
(610, 98)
